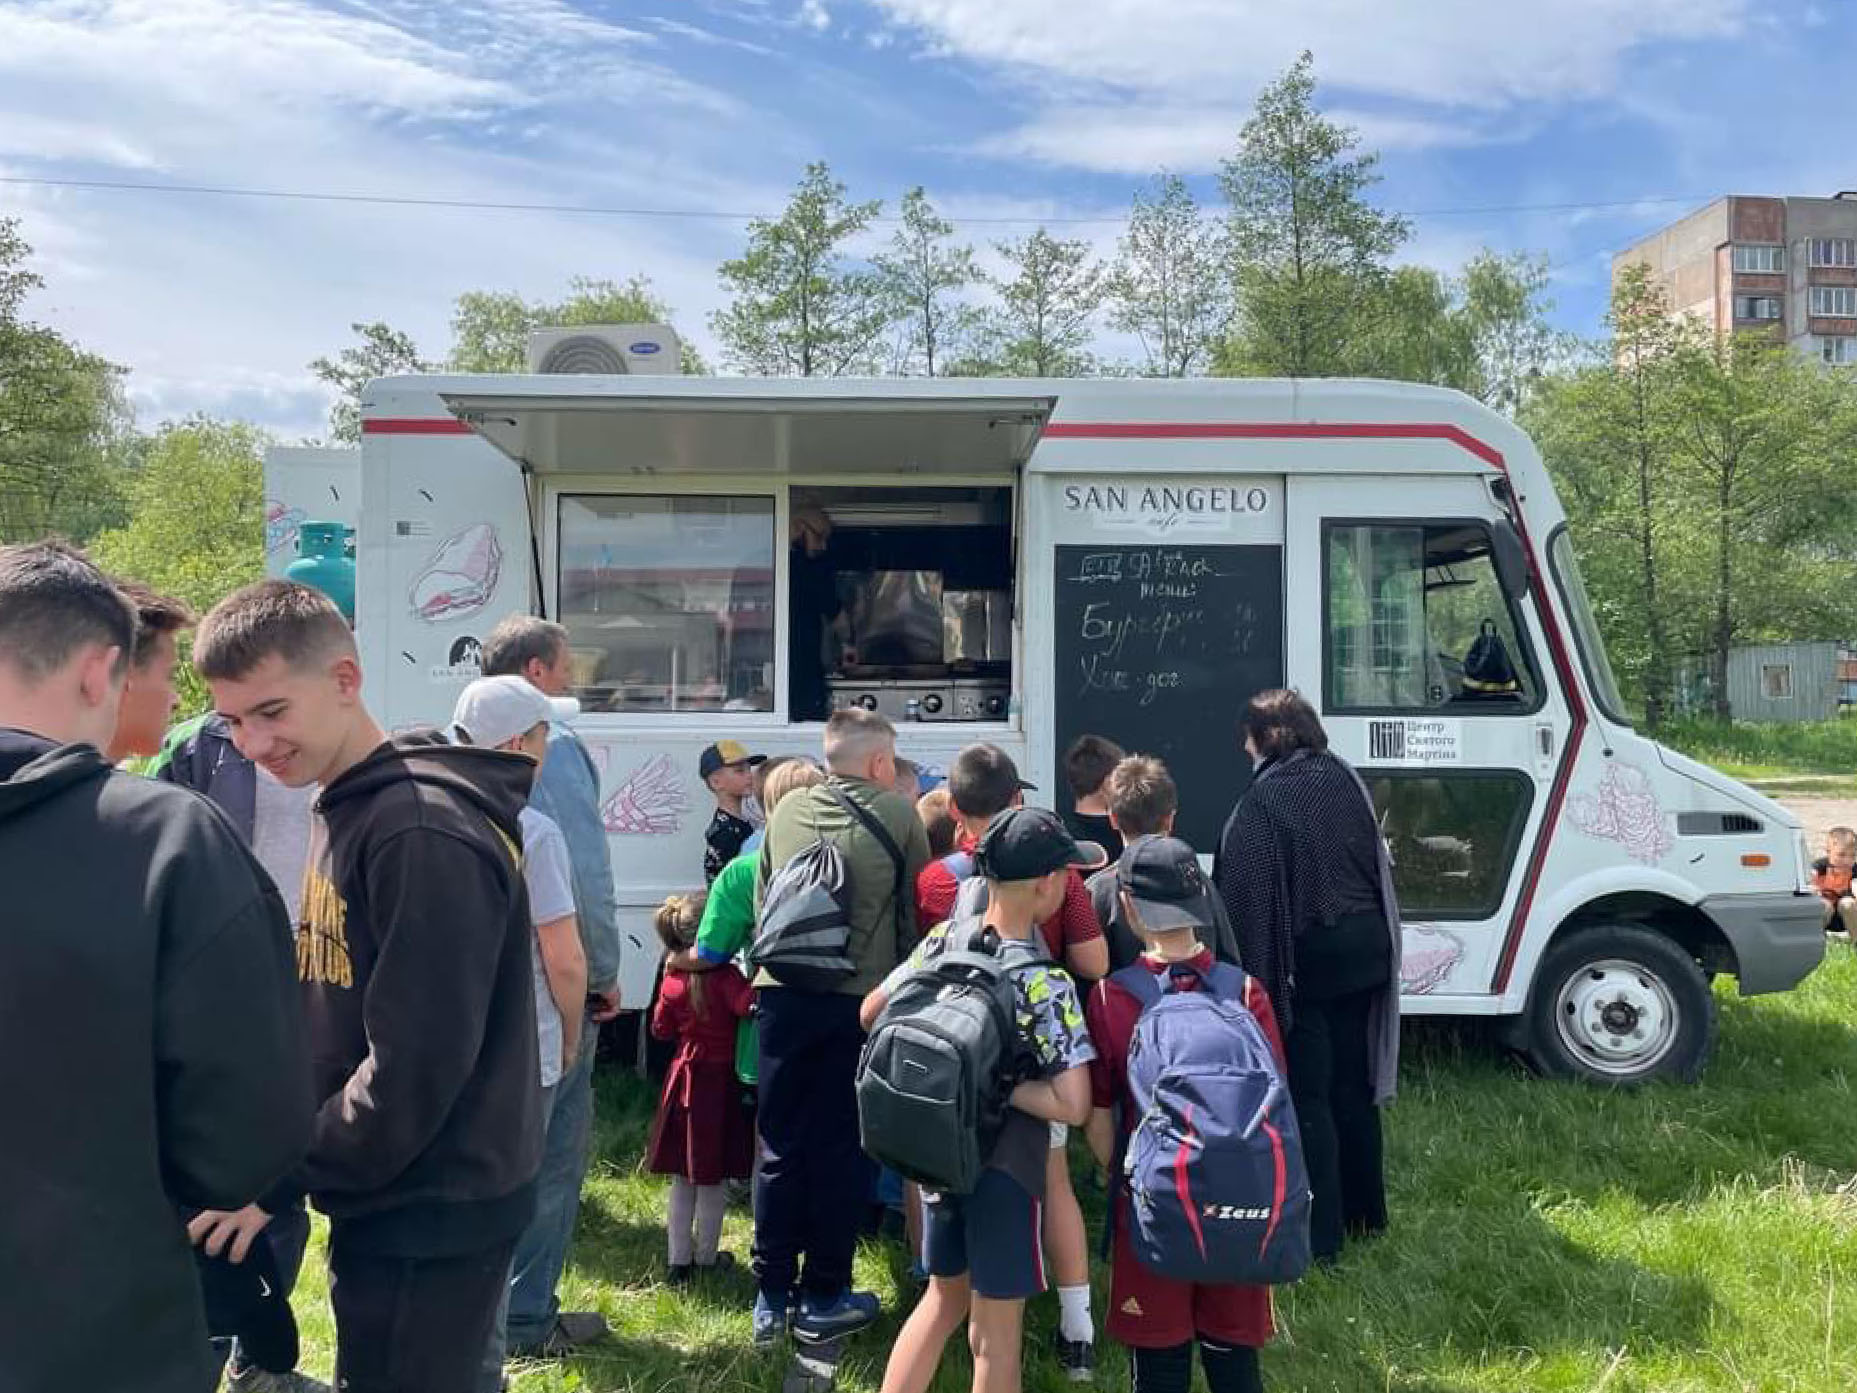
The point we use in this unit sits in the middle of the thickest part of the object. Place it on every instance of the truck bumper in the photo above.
(1777, 939)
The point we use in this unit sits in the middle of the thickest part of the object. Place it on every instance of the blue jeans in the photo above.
(541, 1252)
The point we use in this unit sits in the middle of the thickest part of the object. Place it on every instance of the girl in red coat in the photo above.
(704, 1131)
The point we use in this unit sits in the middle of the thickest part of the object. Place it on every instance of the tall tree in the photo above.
(798, 309)
(1171, 282)
(1048, 298)
(490, 328)
(196, 518)
(381, 352)
(1505, 306)
(1765, 442)
(1609, 432)
(65, 428)
(1311, 252)
(925, 272)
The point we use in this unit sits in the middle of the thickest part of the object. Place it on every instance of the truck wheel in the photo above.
(1619, 1004)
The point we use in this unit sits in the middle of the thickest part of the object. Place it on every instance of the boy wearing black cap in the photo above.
(1163, 896)
(728, 772)
(982, 1249)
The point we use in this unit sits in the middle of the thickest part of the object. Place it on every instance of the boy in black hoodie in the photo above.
(150, 1036)
(413, 952)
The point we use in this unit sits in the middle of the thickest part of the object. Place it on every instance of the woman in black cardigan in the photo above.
(1303, 871)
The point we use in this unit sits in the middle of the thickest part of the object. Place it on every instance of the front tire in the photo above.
(1619, 1004)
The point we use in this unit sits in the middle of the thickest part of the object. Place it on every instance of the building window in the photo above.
(669, 601)
(1760, 258)
(1840, 350)
(1756, 307)
(1837, 301)
(1832, 251)
(1776, 681)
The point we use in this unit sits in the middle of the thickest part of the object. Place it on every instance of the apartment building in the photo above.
(1787, 265)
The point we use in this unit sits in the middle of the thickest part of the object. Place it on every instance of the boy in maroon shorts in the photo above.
(1157, 1317)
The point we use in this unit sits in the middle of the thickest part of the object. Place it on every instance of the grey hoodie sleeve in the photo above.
(231, 1073)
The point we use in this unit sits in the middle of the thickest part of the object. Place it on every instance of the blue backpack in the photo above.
(1213, 1164)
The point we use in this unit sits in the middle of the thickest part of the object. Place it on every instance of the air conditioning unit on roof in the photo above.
(607, 350)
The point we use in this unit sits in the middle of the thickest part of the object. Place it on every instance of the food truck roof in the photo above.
(917, 427)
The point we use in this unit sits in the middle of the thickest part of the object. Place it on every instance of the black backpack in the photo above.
(803, 936)
(940, 1062)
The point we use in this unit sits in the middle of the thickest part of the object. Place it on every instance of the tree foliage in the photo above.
(926, 274)
(490, 328)
(1047, 299)
(1311, 252)
(1171, 283)
(799, 310)
(65, 428)
(382, 351)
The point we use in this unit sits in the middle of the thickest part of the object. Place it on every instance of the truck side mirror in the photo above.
(1511, 560)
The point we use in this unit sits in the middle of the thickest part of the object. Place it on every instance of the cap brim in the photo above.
(1027, 786)
(562, 709)
(1090, 856)
(753, 760)
(1164, 916)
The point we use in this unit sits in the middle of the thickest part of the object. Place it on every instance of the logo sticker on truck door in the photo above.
(1414, 742)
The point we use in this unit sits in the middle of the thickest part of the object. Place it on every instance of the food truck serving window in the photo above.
(668, 601)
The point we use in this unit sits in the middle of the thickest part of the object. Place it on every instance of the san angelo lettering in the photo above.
(1162, 502)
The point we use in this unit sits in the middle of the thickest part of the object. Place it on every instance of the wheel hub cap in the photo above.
(1616, 1017)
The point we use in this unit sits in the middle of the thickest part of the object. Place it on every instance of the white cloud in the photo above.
(1450, 52)
(814, 15)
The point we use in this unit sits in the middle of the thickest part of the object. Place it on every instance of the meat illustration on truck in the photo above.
(461, 576)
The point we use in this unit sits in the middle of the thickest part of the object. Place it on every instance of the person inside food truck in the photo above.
(813, 609)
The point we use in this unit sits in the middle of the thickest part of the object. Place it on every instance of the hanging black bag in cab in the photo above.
(940, 1063)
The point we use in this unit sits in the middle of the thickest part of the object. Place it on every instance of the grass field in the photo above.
(1546, 1237)
(1785, 756)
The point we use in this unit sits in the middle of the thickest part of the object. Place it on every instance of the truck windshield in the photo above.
(1586, 627)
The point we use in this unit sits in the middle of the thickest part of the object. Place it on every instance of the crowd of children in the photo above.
(1068, 901)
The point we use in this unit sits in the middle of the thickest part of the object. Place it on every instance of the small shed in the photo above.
(1791, 682)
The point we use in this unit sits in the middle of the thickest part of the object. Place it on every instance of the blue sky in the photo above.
(1008, 111)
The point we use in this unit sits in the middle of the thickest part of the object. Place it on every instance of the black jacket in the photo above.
(413, 948)
(150, 1056)
(199, 754)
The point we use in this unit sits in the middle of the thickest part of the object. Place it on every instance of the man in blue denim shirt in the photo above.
(568, 791)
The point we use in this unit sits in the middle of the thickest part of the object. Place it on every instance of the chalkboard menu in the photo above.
(1158, 649)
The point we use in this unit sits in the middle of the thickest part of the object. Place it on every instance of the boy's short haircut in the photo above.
(983, 781)
(936, 809)
(54, 602)
(1088, 762)
(155, 614)
(519, 640)
(1141, 796)
(1841, 836)
(274, 618)
(853, 735)
(791, 775)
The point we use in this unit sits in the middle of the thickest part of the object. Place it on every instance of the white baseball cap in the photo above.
(494, 710)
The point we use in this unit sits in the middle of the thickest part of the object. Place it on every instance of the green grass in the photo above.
(1547, 1238)
(1745, 750)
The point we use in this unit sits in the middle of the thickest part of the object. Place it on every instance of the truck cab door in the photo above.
(1420, 636)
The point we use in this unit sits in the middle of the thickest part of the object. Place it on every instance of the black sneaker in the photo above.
(681, 1274)
(1077, 1358)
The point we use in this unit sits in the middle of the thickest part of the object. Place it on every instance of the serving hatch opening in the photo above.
(610, 426)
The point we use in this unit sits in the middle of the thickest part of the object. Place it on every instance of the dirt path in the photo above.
(1819, 814)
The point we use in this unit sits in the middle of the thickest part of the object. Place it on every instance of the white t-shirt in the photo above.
(546, 870)
(280, 834)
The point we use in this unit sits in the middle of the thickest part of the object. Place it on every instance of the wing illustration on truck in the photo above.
(461, 576)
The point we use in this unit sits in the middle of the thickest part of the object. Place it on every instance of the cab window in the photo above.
(1416, 620)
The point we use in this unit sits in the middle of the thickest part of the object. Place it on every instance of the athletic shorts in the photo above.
(1148, 1311)
(991, 1237)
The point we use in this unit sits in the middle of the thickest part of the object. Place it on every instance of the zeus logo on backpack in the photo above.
(1217, 1189)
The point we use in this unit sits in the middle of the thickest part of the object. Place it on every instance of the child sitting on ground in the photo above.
(703, 1135)
(982, 1248)
(1831, 877)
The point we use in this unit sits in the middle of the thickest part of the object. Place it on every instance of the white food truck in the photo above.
(1027, 561)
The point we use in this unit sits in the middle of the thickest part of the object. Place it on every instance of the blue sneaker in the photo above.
(851, 1312)
(770, 1321)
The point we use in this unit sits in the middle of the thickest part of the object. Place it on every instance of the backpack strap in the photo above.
(875, 827)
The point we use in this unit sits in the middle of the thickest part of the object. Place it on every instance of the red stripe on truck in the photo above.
(1273, 430)
(387, 425)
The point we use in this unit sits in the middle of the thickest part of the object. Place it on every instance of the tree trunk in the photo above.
(1657, 668)
(1724, 593)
